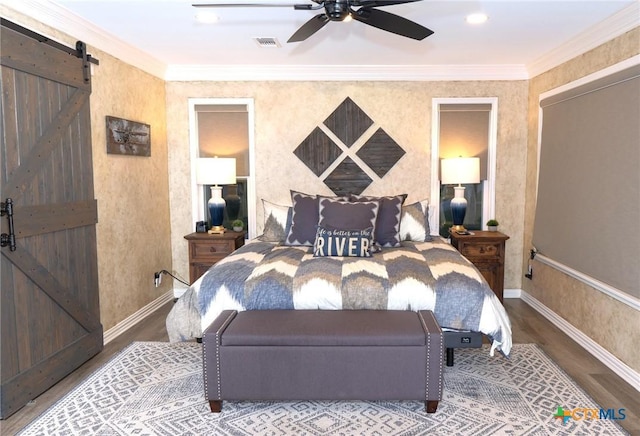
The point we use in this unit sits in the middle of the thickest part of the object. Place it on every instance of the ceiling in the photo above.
(519, 38)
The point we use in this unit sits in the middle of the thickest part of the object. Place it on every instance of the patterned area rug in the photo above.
(154, 388)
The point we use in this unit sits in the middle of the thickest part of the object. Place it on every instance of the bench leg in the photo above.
(216, 406)
(449, 356)
(431, 406)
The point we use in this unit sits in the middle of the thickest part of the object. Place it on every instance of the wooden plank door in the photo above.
(49, 314)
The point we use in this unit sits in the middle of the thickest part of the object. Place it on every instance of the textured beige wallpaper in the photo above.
(608, 322)
(132, 191)
(286, 112)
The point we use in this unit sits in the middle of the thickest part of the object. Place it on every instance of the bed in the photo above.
(415, 271)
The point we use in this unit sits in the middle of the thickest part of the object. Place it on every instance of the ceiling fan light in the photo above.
(477, 18)
(337, 11)
(348, 18)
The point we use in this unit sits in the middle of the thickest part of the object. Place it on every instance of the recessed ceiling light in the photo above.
(477, 18)
(206, 17)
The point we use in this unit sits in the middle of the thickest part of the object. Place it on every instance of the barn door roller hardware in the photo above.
(81, 48)
(80, 51)
(9, 239)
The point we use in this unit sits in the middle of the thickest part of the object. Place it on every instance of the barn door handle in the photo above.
(9, 239)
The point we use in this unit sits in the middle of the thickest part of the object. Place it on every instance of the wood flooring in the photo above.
(604, 386)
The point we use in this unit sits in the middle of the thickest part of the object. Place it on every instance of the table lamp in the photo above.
(216, 171)
(459, 170)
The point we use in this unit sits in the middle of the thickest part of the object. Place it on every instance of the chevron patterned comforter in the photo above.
(417, 276)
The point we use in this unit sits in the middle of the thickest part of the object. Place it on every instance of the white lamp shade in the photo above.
(460, 170)
(216, 171)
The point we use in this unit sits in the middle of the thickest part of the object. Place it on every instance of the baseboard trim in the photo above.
(136, 317)
(179, 290)
(612, 362)
(512, 293)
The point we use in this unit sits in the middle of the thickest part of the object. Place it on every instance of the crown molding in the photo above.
(614, 26)
(391, 73)
(62, 19)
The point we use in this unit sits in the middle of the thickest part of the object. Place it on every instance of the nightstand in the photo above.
(206, 250)
(486, 251)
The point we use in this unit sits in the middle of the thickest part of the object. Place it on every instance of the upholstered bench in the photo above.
(323, 355)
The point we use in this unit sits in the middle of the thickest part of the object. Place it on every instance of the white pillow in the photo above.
(276, 220)
(415, 222)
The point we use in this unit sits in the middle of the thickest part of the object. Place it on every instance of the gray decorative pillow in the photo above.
(340, 214)
(387, 232)
(304, 219)
(337, 242)
(277, 218)
(414, 225)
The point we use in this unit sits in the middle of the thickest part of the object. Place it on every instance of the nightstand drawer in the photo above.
(486, 251)
(211, 249)
(481, 249)
(206, 250)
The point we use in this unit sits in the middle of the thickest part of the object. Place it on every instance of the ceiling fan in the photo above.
(340, 10)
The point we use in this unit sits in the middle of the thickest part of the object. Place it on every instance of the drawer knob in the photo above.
(482, 250)
(212, 249)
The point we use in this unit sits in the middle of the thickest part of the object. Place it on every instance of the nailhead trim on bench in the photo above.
(222, 327)
(427, 368)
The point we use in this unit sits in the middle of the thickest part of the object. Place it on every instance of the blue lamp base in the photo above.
(216, 205)
(458, 209)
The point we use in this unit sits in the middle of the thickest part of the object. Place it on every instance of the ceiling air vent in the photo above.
(267, 42)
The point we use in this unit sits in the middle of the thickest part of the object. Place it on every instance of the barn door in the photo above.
(49, 315)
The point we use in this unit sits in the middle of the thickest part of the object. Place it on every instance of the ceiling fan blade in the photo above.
(375, 3)
(309, 28)
(252, 5)
(391, 23)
